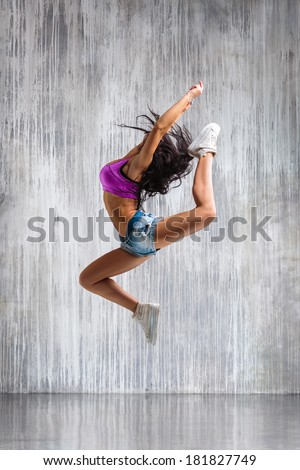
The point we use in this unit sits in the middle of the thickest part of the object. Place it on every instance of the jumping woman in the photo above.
(148, 169)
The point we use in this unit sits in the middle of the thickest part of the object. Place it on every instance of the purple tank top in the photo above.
(114, 181)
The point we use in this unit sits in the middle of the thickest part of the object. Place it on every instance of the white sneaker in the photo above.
(205, 142)
(147, 316)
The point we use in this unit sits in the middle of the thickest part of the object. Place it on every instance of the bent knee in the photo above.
(205, 213)
(211, 214)
(86, 281)
(210, 217)
(83, 281)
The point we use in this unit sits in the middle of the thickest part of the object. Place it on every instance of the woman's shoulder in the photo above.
(118, 160)
(129, 156)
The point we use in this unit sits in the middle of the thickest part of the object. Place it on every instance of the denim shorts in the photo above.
(139, 240)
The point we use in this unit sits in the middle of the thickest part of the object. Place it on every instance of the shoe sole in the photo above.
(153, 325)
(197, 140)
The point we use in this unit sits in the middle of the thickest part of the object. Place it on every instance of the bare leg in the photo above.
(96, 277)
(203, 192)
(178, 226)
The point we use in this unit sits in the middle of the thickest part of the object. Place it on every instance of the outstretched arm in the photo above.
(162, 125)
(166, 121)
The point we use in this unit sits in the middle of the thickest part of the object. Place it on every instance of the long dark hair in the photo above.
(170, 162)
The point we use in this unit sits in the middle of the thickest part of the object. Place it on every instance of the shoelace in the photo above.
(213, 138)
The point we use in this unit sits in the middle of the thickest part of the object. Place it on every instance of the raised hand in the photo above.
(196, 90)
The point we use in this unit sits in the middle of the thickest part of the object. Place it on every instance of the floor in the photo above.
(151, 421)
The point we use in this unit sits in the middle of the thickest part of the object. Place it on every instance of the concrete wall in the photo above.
(72, 70)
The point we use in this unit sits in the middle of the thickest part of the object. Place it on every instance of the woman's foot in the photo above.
(206, 142)
(147, 316)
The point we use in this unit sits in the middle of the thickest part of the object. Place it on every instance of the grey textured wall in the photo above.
(72, 70)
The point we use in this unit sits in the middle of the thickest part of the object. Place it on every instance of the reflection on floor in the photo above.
(151, 421)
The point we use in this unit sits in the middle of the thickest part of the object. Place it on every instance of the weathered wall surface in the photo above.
(71, 71)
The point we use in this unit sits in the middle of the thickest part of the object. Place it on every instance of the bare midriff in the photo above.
(120, 210)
